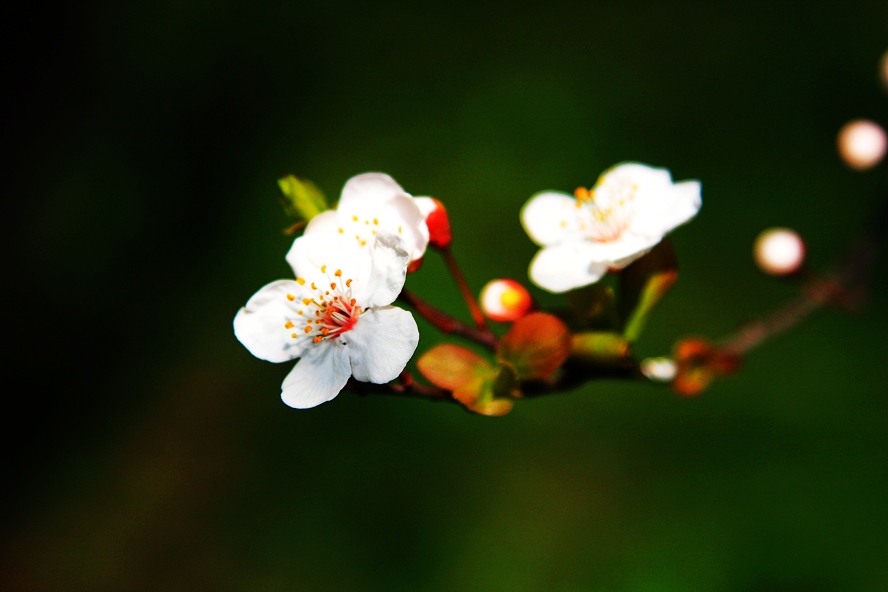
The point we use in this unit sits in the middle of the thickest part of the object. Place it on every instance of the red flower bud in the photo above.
(438, 222)
(505, 300)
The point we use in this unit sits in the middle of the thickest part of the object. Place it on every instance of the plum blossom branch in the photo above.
(465, 290)
(446, 323)
(844, 286)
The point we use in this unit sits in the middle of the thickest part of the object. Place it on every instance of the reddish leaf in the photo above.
(450, 366)
(536, 345)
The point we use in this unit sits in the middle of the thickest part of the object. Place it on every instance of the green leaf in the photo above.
(492, 395)
(643, 284)
(451, 366)
(604, 348)
(594, 306)
(506, 384)
(536, 346)
(302, 198)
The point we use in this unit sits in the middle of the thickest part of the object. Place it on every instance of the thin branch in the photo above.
(845, 286)
(464, 289)
(446, 323)
(405, 386)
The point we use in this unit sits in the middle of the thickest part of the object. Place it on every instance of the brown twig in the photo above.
(844, 286)
(464, 289)
(446, 323)
(405, 386)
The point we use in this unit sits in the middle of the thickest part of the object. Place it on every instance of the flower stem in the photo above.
(464, 289)
(446, 323)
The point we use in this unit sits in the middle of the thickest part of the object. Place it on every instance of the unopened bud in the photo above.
(779, 251)
(505, 300)
(862, 144)
(661, 369)
(414, 265)
(436, 219)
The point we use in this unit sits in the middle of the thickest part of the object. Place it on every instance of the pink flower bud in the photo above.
(862, 144)
(779, 251)
(505, 300)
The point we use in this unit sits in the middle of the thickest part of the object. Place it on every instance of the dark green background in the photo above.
(147, 450)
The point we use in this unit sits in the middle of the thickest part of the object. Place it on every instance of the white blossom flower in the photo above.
(335, 317)
(630, 209)
(374, 203)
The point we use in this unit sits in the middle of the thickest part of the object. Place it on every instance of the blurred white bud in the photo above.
(659, 369)
(861, 144)
(505, 300)
(778, 251)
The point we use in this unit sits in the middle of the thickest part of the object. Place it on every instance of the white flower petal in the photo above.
(403, 217)
(326, 222)
(658, 212)
(549, 217)
(640, 174)
(381, 344)
(260, 325)
(621, 251)
(426, 205)
(368, 190)
(388, 273)
(566, 266)
(315, 257)
(318, 376)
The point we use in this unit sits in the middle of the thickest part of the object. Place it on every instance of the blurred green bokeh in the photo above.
(147, 450)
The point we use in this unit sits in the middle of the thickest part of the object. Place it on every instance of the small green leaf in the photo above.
(600, 347)
(643, 284)
(302, 198)
(593, 306)
(506, 383)
(536, 345)
(492, 395)
(452, 366)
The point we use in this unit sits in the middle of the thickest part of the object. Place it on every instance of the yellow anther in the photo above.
(300, 312)
(308, 328)
(338, 273)
(363, 242)
(348, 283)
(581, 193)
(355, 218)
(323, 269)
(289, 325)
(375, 221)
(578, 204)
(300, 281)
(290, 297)
(373, 231)
(564, 223)
(332, 286)
(341, 231)
(306, 301)
(313, 287)
(367, 222)
(327, 292)
(400, 230)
